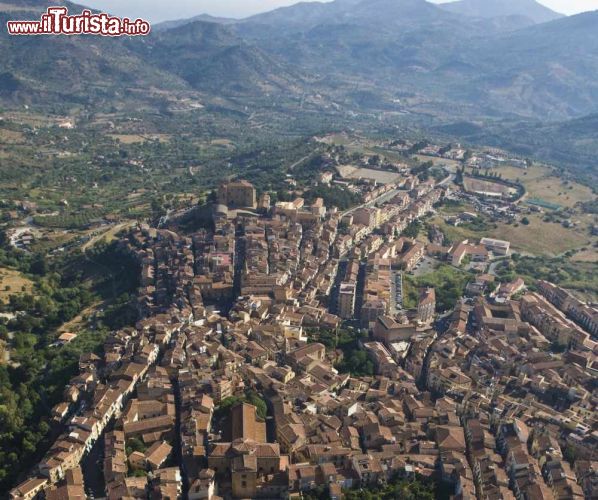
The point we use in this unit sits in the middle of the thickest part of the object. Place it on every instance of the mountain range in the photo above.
(533, 11)
(477, 60)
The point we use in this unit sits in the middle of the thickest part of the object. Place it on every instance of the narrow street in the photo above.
(340, 273)
(440, 327)
(93, 467)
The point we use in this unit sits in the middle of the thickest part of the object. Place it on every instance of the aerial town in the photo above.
(299, 250)
(233, 385)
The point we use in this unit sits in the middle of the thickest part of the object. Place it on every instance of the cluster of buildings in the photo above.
(489, 158)
(493, 208)
(220, 391)
(215, 262)
(123, 390)
(475, 255)
(584, 314)
(525, 409)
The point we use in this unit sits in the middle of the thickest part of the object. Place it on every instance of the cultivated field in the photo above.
(590, 255)
(340, 139)
(137, 138)
(222, 142)
(11, 136)
(352, 172)
(33, 119)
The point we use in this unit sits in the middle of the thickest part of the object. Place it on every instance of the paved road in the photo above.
(298, 162)
(113, 229)
(381, 199)
(448, 179)
(164, 218)
(494, 264)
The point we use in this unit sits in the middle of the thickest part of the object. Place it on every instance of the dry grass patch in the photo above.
(11, 136)
(13, 283)
(590, 255)
(541, 183)
(222, 142)
(538, 238)
(78, 323)
(137, 138)
(456, 233)
(439, 161)
(542, 238)
(353, 172)
(107, 236)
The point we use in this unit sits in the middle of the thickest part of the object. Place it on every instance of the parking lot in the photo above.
(426, 265)
(396, 290)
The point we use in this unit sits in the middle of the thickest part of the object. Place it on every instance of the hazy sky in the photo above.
(160, 10)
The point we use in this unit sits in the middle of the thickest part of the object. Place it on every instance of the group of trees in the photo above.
(70, 220)
(448, 282)
(354, 360)
(33, 382)
(333, 196)
(589, 207)
(560, 270)
(413, 229)
(357, 363)
(423, 170)
(250, 397)
(478, 224)
(404, 489)
(20, 261)
(417, 488)
(34, 379)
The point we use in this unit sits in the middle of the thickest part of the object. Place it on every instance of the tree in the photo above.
(3, 333)
(357, 363)
(406, 489)
(525, 221)
(413, 229)
(250, 397)
(261, 407)
(374, 160)
(445, 149)
(135, 444)
(570, 454)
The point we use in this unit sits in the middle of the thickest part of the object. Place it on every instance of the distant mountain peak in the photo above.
(531, 9)
(206, 18)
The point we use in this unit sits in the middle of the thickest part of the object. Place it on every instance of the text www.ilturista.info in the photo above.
(56, 21)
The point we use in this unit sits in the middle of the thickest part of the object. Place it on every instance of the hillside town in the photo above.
(232, 383)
